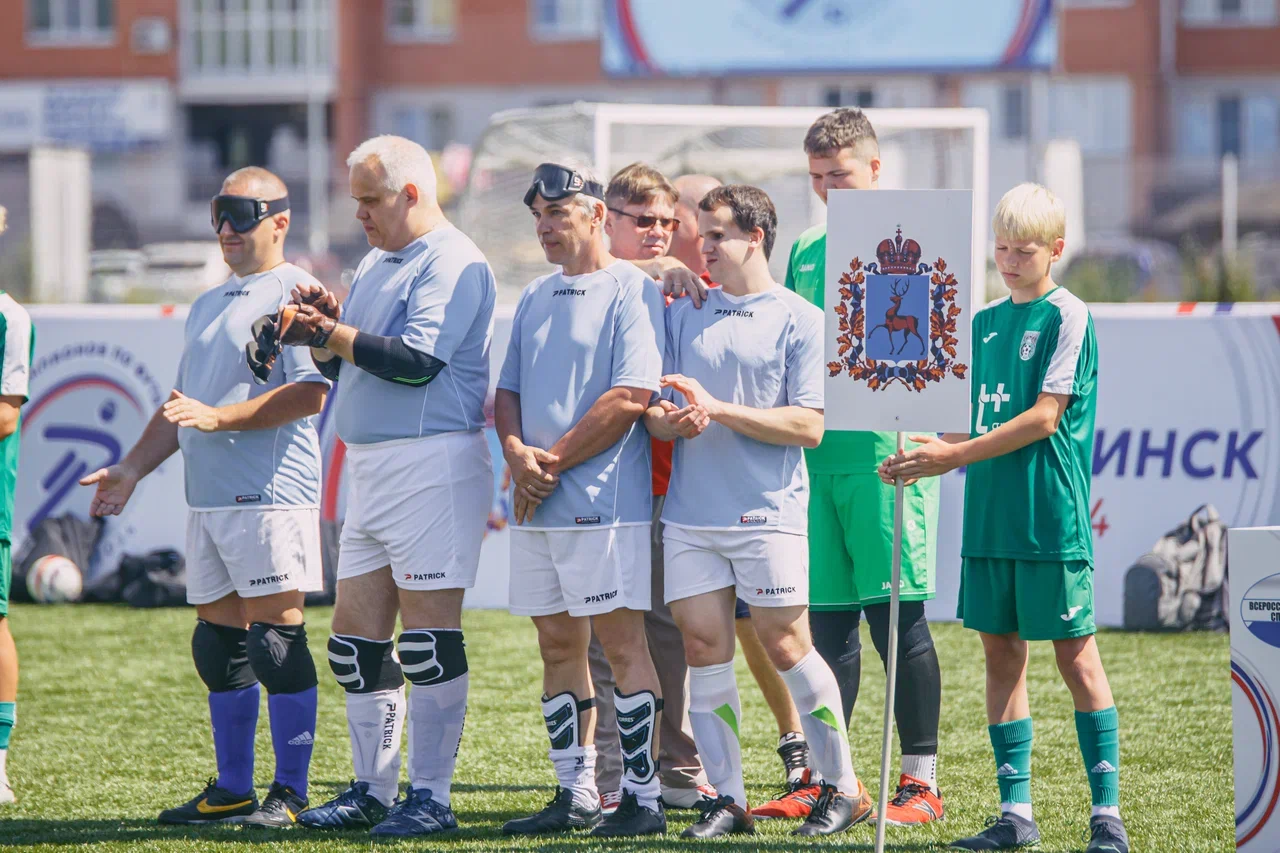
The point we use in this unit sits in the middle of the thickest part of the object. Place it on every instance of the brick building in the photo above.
(170, 94)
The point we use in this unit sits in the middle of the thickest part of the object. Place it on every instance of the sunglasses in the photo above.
(243, 212)
(554, 183)
(668, 223)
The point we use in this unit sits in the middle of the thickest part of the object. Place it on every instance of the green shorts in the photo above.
(851, 540)
(1035, 599)
(6, 575)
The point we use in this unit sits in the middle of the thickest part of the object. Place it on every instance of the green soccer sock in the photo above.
(8, 716)
(1012, 744)
(1099, 734)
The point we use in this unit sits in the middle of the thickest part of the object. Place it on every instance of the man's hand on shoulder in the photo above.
(676, 279)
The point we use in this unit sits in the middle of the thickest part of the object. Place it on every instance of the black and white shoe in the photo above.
(354, 808)
(721, 816)
(835, 812)
(793, 749)
(562, 814)
(631, 818)
(279, 810)
(1006, 832)
(1107, 835)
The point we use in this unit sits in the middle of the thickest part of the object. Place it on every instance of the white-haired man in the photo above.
(582, 366)
(412, 348)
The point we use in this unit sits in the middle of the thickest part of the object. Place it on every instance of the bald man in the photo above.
(251, 457)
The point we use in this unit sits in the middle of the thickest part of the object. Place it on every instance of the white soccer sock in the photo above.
(4, 775)
(714, 714)
(817, 696)
(575, 764)
(638, 716)
(436, 716)
(1108, 811)
(922, 767)
(376, 724)
(1022, 810)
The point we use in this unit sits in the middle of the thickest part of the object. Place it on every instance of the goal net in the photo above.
(920, 149)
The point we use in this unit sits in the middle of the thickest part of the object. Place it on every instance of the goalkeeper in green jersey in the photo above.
(1028, 547)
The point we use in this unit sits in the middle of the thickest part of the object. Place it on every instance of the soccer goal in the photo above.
(942, 148)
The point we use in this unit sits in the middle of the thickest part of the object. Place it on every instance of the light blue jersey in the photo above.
(248, 468)
(437, 295)
(572, 339)
(763, 350)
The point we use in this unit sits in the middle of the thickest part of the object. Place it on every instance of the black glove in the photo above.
(293, 325)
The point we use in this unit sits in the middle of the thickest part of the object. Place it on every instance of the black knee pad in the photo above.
(364, 666)
(914, 638)
(432, 656)
(221, 660)
(280, 658)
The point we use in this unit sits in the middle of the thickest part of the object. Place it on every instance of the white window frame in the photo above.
(1253, 13)
(1096, 4)
(260, 33)
(420, 31)
(586, 28)
(59, 36)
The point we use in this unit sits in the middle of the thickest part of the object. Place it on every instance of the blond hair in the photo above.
(637, 184)
(1030, 212)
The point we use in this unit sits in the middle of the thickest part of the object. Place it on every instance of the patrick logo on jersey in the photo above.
(898, 319)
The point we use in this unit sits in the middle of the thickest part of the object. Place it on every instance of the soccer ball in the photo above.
(54, 578)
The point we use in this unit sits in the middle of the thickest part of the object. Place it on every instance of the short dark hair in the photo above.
(847, 127)
(751, 208)
(637, 184)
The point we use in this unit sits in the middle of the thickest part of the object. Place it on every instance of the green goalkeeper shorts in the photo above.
(1035, 599)
(851, 540)
(6, 576)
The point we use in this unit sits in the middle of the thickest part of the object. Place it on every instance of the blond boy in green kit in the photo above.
(1027, 551)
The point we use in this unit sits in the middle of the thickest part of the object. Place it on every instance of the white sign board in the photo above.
(898, 310)
(103, 115)
(1255, 684)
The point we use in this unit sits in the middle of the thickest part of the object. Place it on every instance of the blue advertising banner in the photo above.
(676, 38)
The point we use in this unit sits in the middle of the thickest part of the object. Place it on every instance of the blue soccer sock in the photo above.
(293, 728)
(234, 714)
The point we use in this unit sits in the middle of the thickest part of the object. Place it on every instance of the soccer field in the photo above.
(113, 727)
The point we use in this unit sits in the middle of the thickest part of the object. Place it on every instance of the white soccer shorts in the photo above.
(586, 572)
(420, 506)
(254, 552)
(769, 568)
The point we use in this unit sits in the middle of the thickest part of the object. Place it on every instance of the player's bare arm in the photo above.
(277, 407)
(667, 422)
(936, 456)
(676, 278)
(9, 406)
(785, 425)
(159, 441)
(532, 482)
(601, 427)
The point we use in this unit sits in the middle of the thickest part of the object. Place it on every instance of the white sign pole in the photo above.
(891, 657)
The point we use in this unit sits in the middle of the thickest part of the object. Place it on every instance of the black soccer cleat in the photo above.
(835, 812)
(212, 805)
(1107, 835)
(416, 814)
(562, 814)
(1006, 832)
(354, 808)
(279, 810)
(721, 816)
(632, 819)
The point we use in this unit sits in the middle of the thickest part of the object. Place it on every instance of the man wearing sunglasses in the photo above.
(412, 350)
(252, 462)
(582, 365)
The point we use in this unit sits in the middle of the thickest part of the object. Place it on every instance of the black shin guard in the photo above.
(221, 658)
(364, 666)
(918, 696)
(280, 657)
(836, 637)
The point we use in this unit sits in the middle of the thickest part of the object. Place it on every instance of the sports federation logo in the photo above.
(1257, 792)
(1028, 346)
(903, 297)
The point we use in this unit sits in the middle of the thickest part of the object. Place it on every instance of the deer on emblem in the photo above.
(893, 323)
